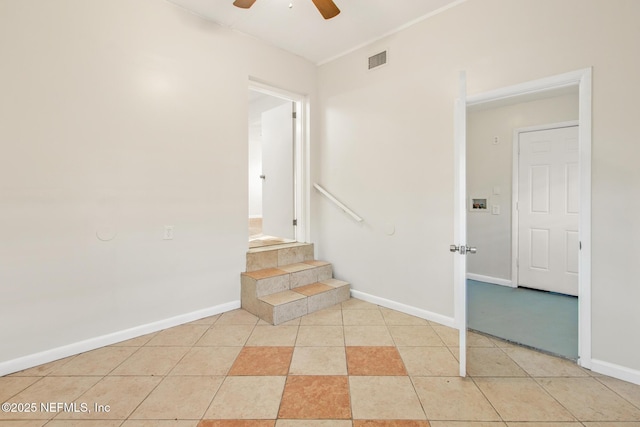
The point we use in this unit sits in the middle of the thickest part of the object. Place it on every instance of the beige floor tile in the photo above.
(429, 361)
(357, 304)
(610, 424)
(50, 389)
(556, 424)
(226, 335)
(467, 424)
(179, 398)
(151, 361)
(237, 317)
(418, 336)
(160, 423)
(393, 317)
(84, 423)
(367, 336)
(44, 369)
(136, 342)
(453, 398)
(96, 362)
(10, 386)
(247, 398)
(313, 423)
(326, 317)
(448, 335)
(627, 390)
(206, 320)
(179, 336)
(503, 343)
(292, 322)
(121, 394)
(380, 398)
(318, 361)
(210, 361)
(273, 336)
(320, 336)
(539, 364)
(590, 400)
(475, 339)
(522, 399)
(24, 423)
(491, 362)
(362, 317)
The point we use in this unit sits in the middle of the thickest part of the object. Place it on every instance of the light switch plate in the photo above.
(495, 209)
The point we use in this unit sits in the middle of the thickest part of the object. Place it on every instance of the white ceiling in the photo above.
(302, 30)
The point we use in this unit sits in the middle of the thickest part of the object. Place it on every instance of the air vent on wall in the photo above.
(378, 60)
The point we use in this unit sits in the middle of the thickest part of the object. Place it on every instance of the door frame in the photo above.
(583, 80)
(515, 192)
(301, 152)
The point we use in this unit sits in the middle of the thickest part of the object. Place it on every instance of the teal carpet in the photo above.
(538, 319)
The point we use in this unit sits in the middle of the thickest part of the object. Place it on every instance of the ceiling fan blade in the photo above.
(327, 8)
(245, 4)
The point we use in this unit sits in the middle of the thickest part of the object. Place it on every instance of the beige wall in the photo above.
(386, 148)
(122, 116)
(489, 166)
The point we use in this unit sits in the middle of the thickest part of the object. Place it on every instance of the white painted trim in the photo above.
(515, 190)
(460, 219)
(403, 308)
(255, 216)
(31, 360)
(615, 371)
(337, 202)
(394, 31)
(582, 79)
(572, 78)
(302, 160)
(489, 279)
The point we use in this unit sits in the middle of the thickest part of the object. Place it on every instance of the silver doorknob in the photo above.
(463, 249)
(262, 177)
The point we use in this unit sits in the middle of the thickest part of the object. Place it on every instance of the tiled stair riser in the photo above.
(265, 258)
(289, 284)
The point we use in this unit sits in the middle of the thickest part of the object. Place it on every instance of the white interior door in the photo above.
(548, 210)
(460, 221)
(278, 172)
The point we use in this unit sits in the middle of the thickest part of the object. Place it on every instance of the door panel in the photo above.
(548, 184)
(460, 222)
(277, 168)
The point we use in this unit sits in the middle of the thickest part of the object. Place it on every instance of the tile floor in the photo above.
(352, 365)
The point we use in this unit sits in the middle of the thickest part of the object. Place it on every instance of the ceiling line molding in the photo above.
(394, 31)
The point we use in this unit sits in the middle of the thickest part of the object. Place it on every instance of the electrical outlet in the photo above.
(168, 232)
(496, 141)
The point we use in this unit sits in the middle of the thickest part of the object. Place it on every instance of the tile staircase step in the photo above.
(288, 305)
(271, 280)
(284, 282)
(278, 255)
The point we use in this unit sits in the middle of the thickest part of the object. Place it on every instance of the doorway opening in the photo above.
(522, 161)
(577, 80)
(275, 167)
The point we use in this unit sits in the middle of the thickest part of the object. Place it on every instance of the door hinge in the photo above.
(294, 115)
(580, 245)
(295, 222)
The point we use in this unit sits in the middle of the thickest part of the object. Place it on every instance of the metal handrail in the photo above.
(337, 202)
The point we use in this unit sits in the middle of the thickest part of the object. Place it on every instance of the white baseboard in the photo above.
(255, 216)
(492, 280)
(407, 309)
(615, 371)
(47, 356)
